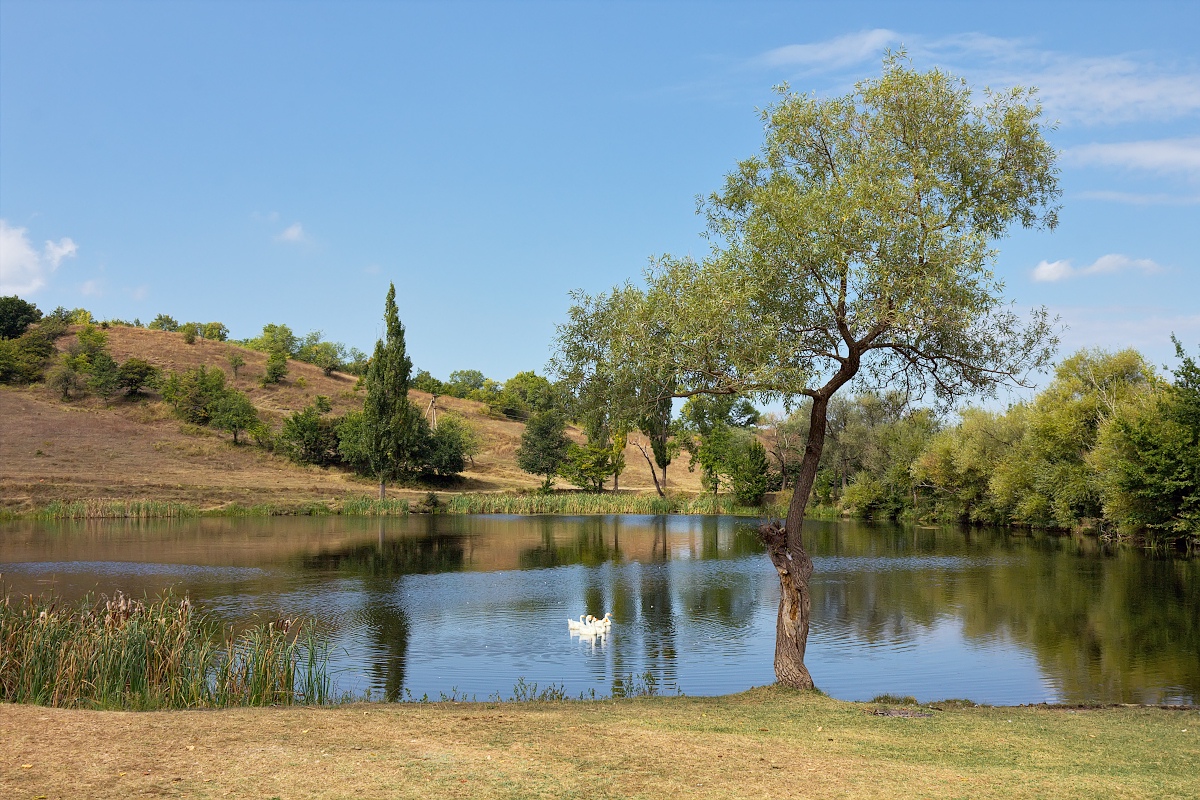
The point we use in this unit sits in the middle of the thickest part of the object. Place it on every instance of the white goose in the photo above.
(580, 624)
(598, 626)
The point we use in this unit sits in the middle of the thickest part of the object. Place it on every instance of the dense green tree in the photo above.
(423, 381)
(588, 466)
(1046, 479)
(103, 376)
(857, 247)
(194, 392)
(276, 369)
(65, 379)
(275, 339)
(163, 322)
(233, 412)
(446, 456)
(464, 381)
(1149, 457)
(393, 436)
(16, 315)
(464, 437)
(24, 359)
(544, 447)
(136, 374)
(311, 437)
(751, 474)
(214, 331)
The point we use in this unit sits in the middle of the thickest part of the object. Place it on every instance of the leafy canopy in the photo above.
(857, 245)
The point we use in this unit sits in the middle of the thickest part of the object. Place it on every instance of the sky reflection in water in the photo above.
(470, 605)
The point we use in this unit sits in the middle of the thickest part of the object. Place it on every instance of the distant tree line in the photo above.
(1109, 445)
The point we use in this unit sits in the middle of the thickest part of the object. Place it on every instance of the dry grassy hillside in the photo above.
(54, 450)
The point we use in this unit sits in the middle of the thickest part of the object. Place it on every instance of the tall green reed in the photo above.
(134, 654)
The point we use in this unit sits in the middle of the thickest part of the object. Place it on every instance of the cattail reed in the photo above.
(126, 653)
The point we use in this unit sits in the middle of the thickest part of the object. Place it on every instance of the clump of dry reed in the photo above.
(126, 653)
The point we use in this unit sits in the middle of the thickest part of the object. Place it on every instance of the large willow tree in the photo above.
(855, 247)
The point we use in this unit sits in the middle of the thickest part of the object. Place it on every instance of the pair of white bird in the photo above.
(587, 625)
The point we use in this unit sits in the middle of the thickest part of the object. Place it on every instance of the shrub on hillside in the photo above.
(276, 368)
(193, 393)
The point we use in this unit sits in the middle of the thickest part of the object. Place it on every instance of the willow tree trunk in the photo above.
(785, 547)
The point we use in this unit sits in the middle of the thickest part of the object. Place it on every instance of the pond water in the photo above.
(432, 605)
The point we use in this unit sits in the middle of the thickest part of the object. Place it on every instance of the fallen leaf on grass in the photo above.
(27, 766)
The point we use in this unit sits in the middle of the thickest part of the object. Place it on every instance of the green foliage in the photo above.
(527, 393)
(276, 369)
(136, 374)
(445, 454)
(214, 331)
(544, 446)
(188, 330)
(236, 361)
(391, 438)
(1047, 479)
(310, 437)
(65, 379)
(454, 440)
(24, 359)
(464, 381)
(275, 339)
(104, 377)
(423, 381)
(16, 315)
(588, 466)
(751, 474)
(194, 392)
(163, 322)
(709, 422)
(1150, 459)
(232, 411)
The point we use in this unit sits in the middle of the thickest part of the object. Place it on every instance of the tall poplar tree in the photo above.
(395, 437)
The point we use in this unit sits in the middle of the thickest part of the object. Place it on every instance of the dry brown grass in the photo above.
(765, 743)
(51, 450)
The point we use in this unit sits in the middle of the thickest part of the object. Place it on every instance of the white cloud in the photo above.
(842, 51)
(293, 233)
(1171, 156)
(1050, 271)
(22, 269)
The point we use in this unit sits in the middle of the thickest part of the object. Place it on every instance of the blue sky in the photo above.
(282, 162)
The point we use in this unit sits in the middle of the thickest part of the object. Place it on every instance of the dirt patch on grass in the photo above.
(766, 743)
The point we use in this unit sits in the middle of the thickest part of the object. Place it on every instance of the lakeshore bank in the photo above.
(767, 742)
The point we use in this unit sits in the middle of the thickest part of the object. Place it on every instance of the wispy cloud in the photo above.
(91, 288)
(1136, 199)
(831, 54)
(23, 270)
(1051, 271)
(1148, 329)
(293, 234)
(1170, 156)
(1073, 89)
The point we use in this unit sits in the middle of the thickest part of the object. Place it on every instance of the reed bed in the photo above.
(115, 509)
(124, 653)
(578, 503)
(368, 507)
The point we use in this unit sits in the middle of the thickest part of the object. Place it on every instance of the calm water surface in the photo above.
(432, 605)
